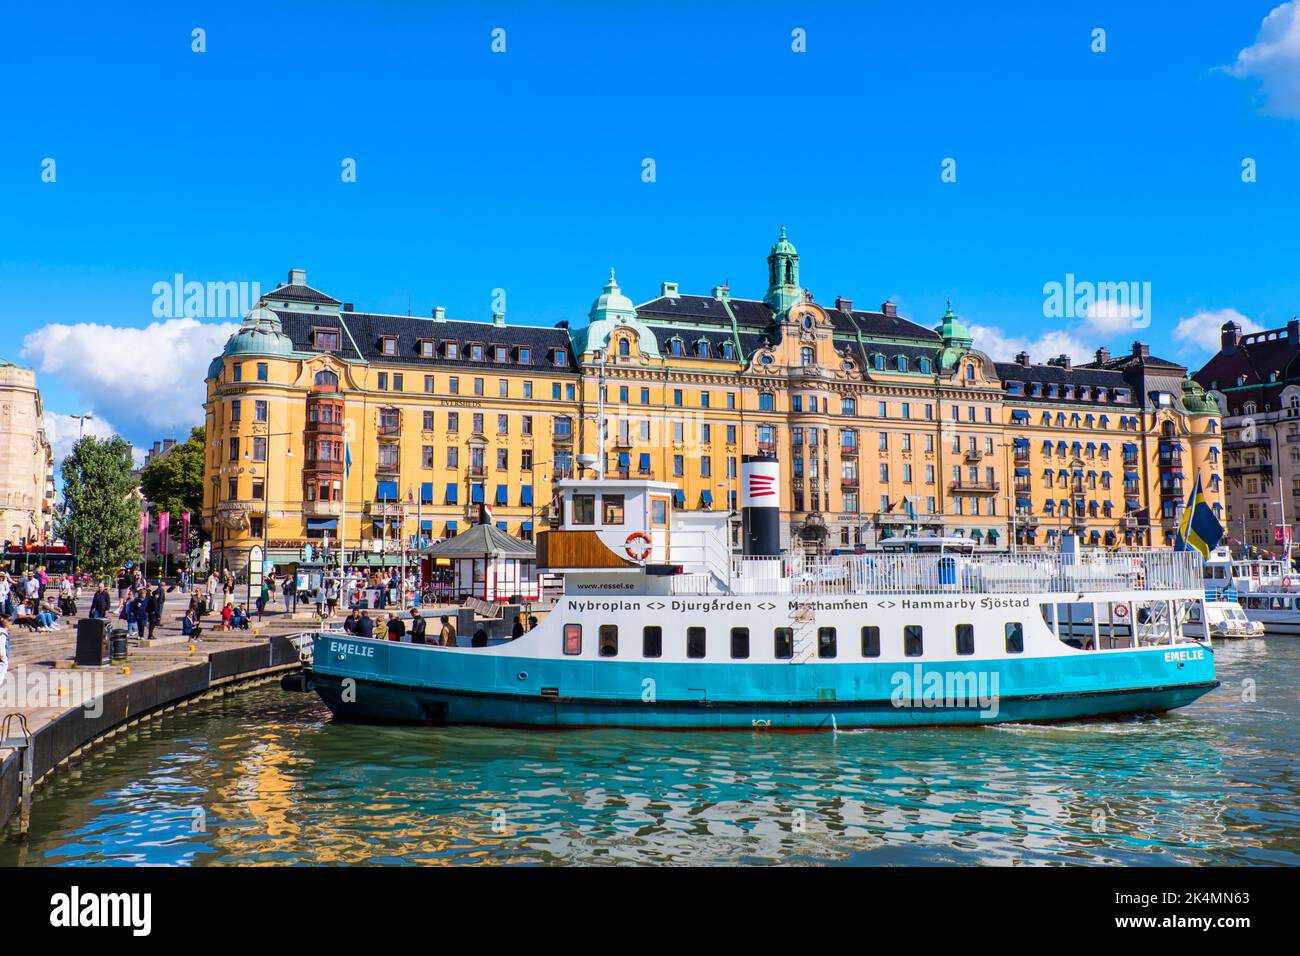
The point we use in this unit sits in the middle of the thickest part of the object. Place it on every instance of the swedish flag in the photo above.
(1200, 529)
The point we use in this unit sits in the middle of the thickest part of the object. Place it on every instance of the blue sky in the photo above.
(523, 170)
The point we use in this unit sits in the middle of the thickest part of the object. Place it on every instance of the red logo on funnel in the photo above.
(760, 485)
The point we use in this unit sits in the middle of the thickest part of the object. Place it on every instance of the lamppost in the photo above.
(266, 506)
(81, 426)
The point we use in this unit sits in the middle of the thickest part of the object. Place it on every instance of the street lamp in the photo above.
(266, 505)
(82, 419)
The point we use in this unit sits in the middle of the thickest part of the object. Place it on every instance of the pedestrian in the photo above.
(517, 629)
(365, 626)
(5, 623)
(396, 628)
(331, 596)
(447, 636)
(480, 638)
(226, 615)
(418, 625)
(153, 609)
(264, 598)
(99, 603)
(287, 588)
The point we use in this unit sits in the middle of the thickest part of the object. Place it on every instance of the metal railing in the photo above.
(848, 575)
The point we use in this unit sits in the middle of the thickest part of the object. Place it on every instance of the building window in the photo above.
(262, 371)
(326, 340)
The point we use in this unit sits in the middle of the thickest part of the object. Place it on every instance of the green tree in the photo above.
(100, 511)
(174, 482)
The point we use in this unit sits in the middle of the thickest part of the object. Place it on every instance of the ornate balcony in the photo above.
(975, 487)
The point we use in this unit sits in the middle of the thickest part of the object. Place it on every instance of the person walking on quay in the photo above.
(418, 625)
(153, 609)
(263, 597)
(33, 587)
(139, 613)
(447, 636)
(365, 626)
(287, 590)
(99, 603)
(331, 597)
(5, 589)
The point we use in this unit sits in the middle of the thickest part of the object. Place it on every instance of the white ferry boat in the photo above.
(1267, 590)
(659, 626)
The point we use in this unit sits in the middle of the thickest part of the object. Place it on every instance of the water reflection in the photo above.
(269, 778)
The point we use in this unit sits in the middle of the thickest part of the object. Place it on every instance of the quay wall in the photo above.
(68, 734)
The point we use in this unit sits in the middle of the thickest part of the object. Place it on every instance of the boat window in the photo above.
(695, 642)
(573, 639)
(652, 641)
(826, 642)
(871, 641)
(783, 643)
(912, 644)
(1015, 635)
(611, 507)
(740, 643)
(965, 639)
(584, 509)
(608, 640)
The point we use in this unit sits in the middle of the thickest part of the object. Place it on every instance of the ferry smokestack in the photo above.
(760, 506)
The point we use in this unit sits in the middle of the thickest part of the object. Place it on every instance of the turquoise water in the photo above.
(266, 777)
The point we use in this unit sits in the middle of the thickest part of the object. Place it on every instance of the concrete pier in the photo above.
(69, 708)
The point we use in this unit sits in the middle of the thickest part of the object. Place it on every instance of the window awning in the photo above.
(426, 525)
(386, 491)
(503, 494)
(1105, 419)
(1096, 535)
(1049, 506)
(452, 493)
(644, 461)
(501, 526)
(1019, 415)
(993, 534)
(426, 493)
(1129, 446)
(322, 524)
(679, 498)
(526, 495)
(476, 494)
(1077, 446)
(527, 526)
(1021, 442)
(1022, 472)
(1047, 447)
(451, 526)
(706, 498)
(977, 534)
(1051, 533)
(1023, 502)
(624, 460)
(1130, 476)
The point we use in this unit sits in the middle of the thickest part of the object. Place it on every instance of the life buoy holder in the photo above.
(1121, 610)
(643, 553)
(1286, 584)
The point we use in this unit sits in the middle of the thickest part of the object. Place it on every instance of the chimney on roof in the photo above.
(1103, 355)
(1022, 358)
(168, 444)
(722, 292)
(1293, 329)
(843, 304)
(347, 306)
(157, 446)
(439, 313)
(889, 308)
(1141, 350)
(498, 318)
(297, 277)
(668, 290)
(1063, 361)
(1229, 336)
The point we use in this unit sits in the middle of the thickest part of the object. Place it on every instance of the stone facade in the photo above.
(26, 459)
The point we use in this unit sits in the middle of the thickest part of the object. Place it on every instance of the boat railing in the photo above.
(814, 575)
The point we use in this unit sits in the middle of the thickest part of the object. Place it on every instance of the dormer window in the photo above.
(559, 357)
(624, 346)
(924, 365)
(702, 349)
(427, 348)
(523, 355)
(728, 350)
(451, 350)
(499, 353)
(675, 347)
(878, 362)
(900, 362)
(326, 340)
(475, 352)
(388, 345)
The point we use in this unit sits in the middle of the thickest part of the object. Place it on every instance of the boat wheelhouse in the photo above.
(1265, 589)
(661, 626)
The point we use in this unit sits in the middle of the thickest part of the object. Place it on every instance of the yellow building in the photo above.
(882, 426)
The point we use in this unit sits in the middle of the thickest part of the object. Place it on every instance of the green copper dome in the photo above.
(261, 334)
(215, 367)
(611, 303)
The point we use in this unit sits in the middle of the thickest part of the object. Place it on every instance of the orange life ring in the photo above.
(1286, 584)
(644, 552)
(1121, 610)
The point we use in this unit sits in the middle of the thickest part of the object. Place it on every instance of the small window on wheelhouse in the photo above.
(695, 642)
(965, 639)
(1015, 637)
(871, 641)
(608, 645)
(572, 639)
(825, 642)
(652, 641)
(739, 643)
(783, 643)
(912, 644)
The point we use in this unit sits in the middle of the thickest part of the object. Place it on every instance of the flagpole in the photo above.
(343, 506)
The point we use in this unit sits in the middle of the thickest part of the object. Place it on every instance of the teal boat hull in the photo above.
(392, 682)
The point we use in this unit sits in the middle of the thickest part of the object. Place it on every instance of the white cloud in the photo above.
(1201, 331)
(1274, 60)
(148, 381)
(1108, 316)
(1003, 347)
(64, 430)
